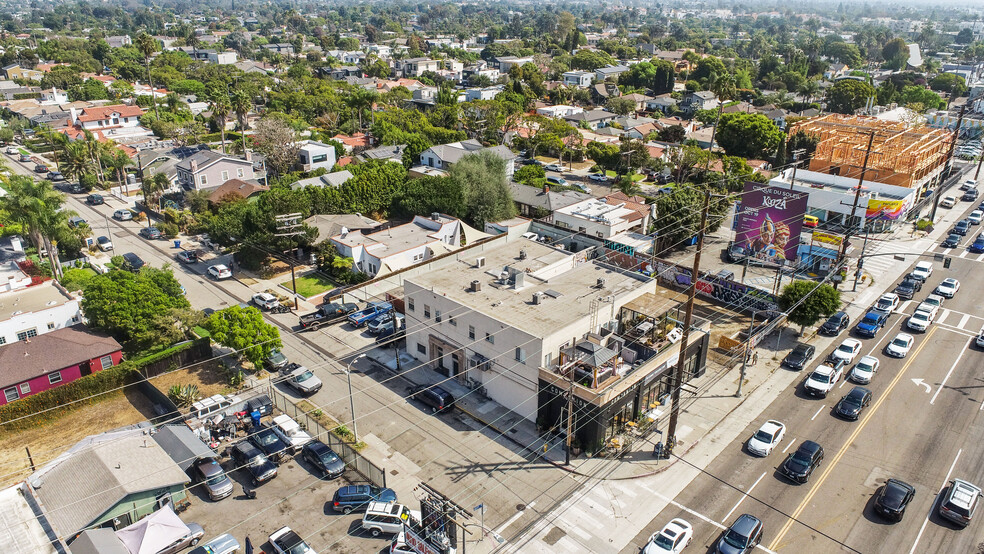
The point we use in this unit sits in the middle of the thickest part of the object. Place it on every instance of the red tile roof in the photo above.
(105, 112)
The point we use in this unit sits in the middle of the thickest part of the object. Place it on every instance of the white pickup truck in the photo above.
(290, 432)
(823, 379)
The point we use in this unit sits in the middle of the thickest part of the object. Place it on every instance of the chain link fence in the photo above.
(370, 471)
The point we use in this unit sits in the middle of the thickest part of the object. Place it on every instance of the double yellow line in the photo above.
(775, 545)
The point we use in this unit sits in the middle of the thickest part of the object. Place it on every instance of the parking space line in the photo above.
(942, 316)
(794, 440)
(818, 412)
(963, 321)
(933, 506)
(743, 497)
(948, 373)
(904, 306)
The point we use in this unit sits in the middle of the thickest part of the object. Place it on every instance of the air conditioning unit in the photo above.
(480, 261)
(476, 286)
(601, 283)
(537, 297)
(522, 254)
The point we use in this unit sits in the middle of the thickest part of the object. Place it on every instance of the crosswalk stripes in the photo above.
(905, 306)
(947, 251)
(942, 316)
(964, 254)
(963, 320)
(980, 258)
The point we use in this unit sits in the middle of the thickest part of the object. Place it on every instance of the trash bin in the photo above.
(177, 244)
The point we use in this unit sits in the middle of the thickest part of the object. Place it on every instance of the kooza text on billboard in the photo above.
(770, 221)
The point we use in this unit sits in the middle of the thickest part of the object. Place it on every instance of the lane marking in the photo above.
(963, 321)
(743, 497)
(840, 454)
(794, 440)
(947, 251)
(844, 382)
(943, 316)
(904, 306)
(948, 373)
(816, 414)
(964, 254)
(935, 500)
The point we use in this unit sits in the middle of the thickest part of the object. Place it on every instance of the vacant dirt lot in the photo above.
(210, 377)
(117, 410)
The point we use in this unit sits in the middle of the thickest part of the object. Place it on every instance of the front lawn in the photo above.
(310, 285)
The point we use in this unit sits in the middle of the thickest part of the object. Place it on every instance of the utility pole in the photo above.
(677, 380)
(979, 160)
(796, 153)
(570, 422)
(744, 359)
(949, 160)
(857, 198)
(290, 225)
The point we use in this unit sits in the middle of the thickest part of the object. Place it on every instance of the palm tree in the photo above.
(810, 90)
(77, 161)
(55, 139)
(118, 162)
(723, 86)
(220, 114)
(95, 150)
(36, 206)
(148, 46)
(152, 188)
(241, 103)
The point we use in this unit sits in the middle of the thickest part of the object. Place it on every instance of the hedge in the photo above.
(36, 410)
(158, 356)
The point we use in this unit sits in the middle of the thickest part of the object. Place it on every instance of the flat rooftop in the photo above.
(570, 286)
(597, 210)
(386, 242)
(31, 299)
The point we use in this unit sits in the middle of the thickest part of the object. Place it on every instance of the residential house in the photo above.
(593, 119)
(505, 63)
(224, 57)
(110, 480)
(701, 100)
(600, 218)
(384, 251)
(384, 153)
(119, 41)
(641, 100)
(25, 533)
(334, 224)
(119, 122)
(357, 141)
(313, 155)
(15, 71)
(480, 68)
(581, 79)
(54, 358)
(53, 96)
(343, 72)
(415, 67)
(443, 156)
(601, 92)
(237, 189)
(486, 93)
(559, 110)
(208, 169)
(836, 70)
(284, 48)
(610, 72)
(334, 180)
(28, 311)
(640, 132)
(537, 203)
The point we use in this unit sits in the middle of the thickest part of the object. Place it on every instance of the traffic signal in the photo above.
(946, 262)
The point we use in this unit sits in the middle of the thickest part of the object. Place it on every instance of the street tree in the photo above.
(895, 53)
(37, 207)
(748, 135)
(148, 46)
(244, 330)
(818, 301)
(620, 105)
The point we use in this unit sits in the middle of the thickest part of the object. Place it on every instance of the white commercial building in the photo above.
(386, 250)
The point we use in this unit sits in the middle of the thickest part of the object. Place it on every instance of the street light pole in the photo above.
(348, 374)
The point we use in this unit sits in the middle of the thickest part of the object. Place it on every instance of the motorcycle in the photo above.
(280, 309)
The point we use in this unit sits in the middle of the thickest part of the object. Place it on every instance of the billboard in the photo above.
(886, 209)
(835, 241)
(770, 221)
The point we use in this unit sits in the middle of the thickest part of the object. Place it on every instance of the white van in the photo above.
(213, 405)
(386, 517)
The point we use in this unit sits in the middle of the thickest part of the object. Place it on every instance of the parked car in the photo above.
(187, 256)
(893, 498)
(975, 217)
(554, 167)
(555, 180)
(327, 313)
(55, 176)
(276, 360)
(75, 188)
(381, 324)
(737, 253)
(962, 227)
(835, 324)
(900, 345)
(123, 215)
(191, 538)
(742, 537)
(948, 202)
(290, 432)
(265, 300)
(600, 177)
(672, 539)
(969, 195)
(324, 459)
(132, 262)
(247, 456)
(286, 541)
(150, 233)
(304, 381)
(581, 187)
(871, 323)
(800, 464)
(800, 356)
(438, 399)
(369, 313)
(968, 184)
(104, 244)
(960, 502)
(223, 544)
(95, 199)
(269, 442)
(40, 168)
(75, 221)
(12, 150)
(219, 272)
(386, 517)
(212, 478)
(25, 158)
(952, 240)
(349, 498)
(888, 303)
(764, 441)
(853, 403)
(864, 371)
(908, 288)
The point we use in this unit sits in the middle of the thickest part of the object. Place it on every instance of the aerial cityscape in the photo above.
(511, 276)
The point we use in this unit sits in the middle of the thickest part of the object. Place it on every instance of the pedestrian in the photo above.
(755, 358)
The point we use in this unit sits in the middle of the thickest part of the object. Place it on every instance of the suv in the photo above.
(908, 288)
(742, 537)
(132, 262)
(962, 227)
(823, 379)
(386, 517)
(871, 323)
(270, 443)
(922, 271)
(355, 497)
(248, 457)
(800, 356)
(800, 464)
(209, 473)
(960, 502)
(835, 324)
(303, 380)
(437, 398)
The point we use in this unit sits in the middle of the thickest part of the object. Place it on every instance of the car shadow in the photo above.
(872, 516)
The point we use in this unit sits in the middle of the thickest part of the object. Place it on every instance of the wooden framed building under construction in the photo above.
(901, 154)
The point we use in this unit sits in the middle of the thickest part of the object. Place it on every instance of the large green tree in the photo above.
(485, 188)
(895, 53)
(37, 207)
(818, 300)
(244, 330)
(427, 195)
(748, 135)
(949, 83)
(848, 95)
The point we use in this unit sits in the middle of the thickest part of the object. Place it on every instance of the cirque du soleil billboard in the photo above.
(770, 221)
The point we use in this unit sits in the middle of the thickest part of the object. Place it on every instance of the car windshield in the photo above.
(736, 539)
(863, 366)
(854, 397)
(900, 342)
(820, 377)
(216, 479)
(920, 316)
(304, 376)
(328, 456)
(845, 348)
(257, 461)
(664, 542)
(763, 436)
(267, 439)
(870, 320)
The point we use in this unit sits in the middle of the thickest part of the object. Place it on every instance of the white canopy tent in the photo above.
(154, 532)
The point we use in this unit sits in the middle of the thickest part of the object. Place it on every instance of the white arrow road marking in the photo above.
(919, 382)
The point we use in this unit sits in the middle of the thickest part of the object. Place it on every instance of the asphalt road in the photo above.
(454, 454)
(923, 427)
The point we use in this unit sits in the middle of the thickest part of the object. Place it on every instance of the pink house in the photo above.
(50, 360)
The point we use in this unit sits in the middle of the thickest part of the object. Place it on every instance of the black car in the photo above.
(800, 464)
(742, 537)
(40, 168)
(835, 324)
(908, 288)
(962, 227)
(951, 241)
(800, 356)
(970, 195)
(853, 403)
(269, 442)
(437, 398)
(132, 262)
(95, 199)
(736, 253)
(321, 456)
(75, 188)
(253, 460)
(892, 499)
(150, 233)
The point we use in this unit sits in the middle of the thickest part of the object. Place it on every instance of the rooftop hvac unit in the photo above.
(480, 261)
(601, 282)
(503, 277)
(436, 216)
(522, 254)
(537, 297)
(476, 285)
(519, 280)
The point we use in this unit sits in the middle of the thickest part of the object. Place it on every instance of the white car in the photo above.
(948, 202)
(12, 150)
(948, 287)
(864, 371)
(265, 300)
(674, 537)
(900, 345)
(847, 351)
(600, 177)
(219, 272)
(554, 167)
(285, 541)
(123, 215)
(887, 303)
(968, 184)
(822, 380)
(920, 321)
(104, 244)
(290, 432)
(932, 300)
(975, 217)
(766, 438)
(980, 338)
